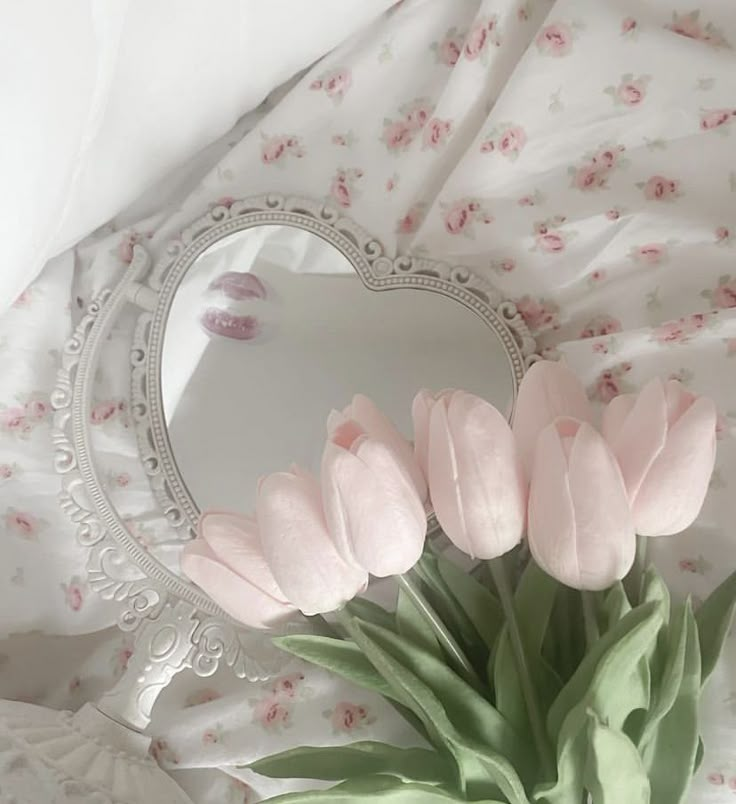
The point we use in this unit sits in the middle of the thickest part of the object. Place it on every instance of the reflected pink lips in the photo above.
(238, 286)
(227, 325)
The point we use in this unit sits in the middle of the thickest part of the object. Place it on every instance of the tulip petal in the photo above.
(421, 410)
(674, 490)
(642, 434)
(235, 595)
(491, 480)
(614, 416)
(547, 391)
(551, 531)
(234, 540)
(679, 399)
(443, 480)
(378, 426)
(605, 536)
(298, 548)
(372, 505)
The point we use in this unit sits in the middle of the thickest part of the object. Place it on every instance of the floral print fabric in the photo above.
(579, 155)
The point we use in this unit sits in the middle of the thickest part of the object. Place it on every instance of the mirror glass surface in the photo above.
(271, 328)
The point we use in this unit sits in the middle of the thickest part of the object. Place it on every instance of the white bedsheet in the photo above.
(582, 155)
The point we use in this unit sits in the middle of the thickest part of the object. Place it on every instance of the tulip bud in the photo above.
(580, 526)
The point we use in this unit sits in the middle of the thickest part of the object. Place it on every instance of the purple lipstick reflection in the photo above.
(238, 286)
(227, 325)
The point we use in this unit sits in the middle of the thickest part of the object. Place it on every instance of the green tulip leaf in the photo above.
(616, 605)
(480, 771)
(381, 789)
(654, 590)
(413, 627)
(336, 763)
(534, 600)
(642, 622)
(671, 754)
(340, 657)
(479, 604)
(466, 709)
(613, 772)
(370, 612)
(699, 755)
(714, 621)
(665, 692)
(608, 683)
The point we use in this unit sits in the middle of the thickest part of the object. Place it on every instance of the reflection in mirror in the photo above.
(271, 328)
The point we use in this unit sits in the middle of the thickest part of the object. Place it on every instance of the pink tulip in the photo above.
(298, 547)
(373, 509)
(380, 428)
(548, 390)
(421, 413)
(665, 442)
(580, 526)
(227, 562)
(476, 481)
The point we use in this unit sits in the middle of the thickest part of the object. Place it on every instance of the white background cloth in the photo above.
(581, 155)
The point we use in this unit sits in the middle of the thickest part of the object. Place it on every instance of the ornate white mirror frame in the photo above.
(177, 626)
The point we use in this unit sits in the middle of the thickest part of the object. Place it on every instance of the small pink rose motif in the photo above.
(225, 201)
(210, 737)
(390, 185)
(512, 140)
(338, 139)
(722, 234)
(538, 314)
(601, 325)
(13, 420)
(337, 83)
(123, 657)
(715, 118)
(397, 135)
(410, 222)
(340, 191)
(716, 779)
(598, 275)
(449, 50)
(74, 684)
(688, 565)
(286, 686)
(418, 114)
(651, 253)
(161, 752)
(457, 218)
(436, 133)
(628, 25)
(73, 595)
(687, 25)
(103, 412)
(23, 524)
(551, 242)
(526, 201)
(631, 93)
(487, 146)
(36, 409)
(202, 697)
(6, 471)
(670, 332)
(608, 157)
(724, 296)
(522, 14)
(590, 177)
(660, 188)
(600, 348)
(613, 214)
(272, 150)
(555, 40)
(347, 717)
(607, 387)
(507, 265)
(126, 247)
(478, 38)
(122, 480)
(272, 714)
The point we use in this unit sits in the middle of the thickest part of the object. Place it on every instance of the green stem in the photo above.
(592, 634)
(533, 707)
(446, 639)
(562, 616)
(633, 581)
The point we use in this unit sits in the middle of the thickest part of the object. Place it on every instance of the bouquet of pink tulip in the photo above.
(562, 677)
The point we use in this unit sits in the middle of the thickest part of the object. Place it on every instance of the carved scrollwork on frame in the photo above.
(175, 624)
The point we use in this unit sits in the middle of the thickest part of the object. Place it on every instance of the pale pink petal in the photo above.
(673, 492)
(551, 531)
(234, 539)
(421, 410)
(298, 548)
(641, 436)
(605, 536)
(493, 489)
(371, 504)
(548, 390)
(443, 480)
(236, 596)
(679, 399)
(614, 416)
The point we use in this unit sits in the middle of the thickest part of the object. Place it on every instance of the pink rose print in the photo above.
(601, 325)
(202, 696)
(121, 657)
(225, 201)
(37, 409)
(412, 220)
(487, 146)
(590, 177)
(630, 91)
(512, 141)
(104, 411)
(392, 182)
(417, 113)
(723, 297)
(551, 242)
(659, 188)
(613, 214)
(210, 737)
(274, 149)
(555, 40)
(343, 188)
(600, 348)
(122, 480)
(689, 25)
(538, 314)
(271, 714)
(628, 25)
(651, 253)
(23, 524)
(127, 244)
(73, 593)
(161, 752)
(348, 717)
(286, 687)
(460, 216)
(723, 235)
(75, 684)
(13, 420)
(436, 133)
(335, 84)
(610, 383)
(397, 135)
(6, 471)
(482, 34)
(505, 266)
(716, 778)
(531, 200)
(449, 49)
(599, 275)
(715, 118)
